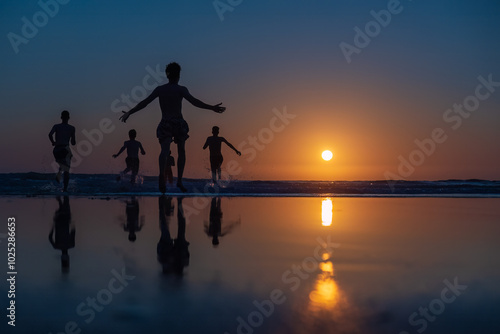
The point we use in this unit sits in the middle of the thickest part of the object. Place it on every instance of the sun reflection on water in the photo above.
(326, 293)
(327, 212)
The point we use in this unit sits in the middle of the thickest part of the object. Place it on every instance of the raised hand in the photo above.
(124, 117)
(218, 108)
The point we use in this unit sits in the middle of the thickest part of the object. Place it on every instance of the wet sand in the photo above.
(282, 265)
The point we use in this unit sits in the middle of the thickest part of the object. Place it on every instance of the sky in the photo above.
(395, 89)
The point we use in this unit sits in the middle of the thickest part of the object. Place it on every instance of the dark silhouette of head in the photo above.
(132, 236)
(173, 72)
(132, 134)
(215, 130)
(65, 115)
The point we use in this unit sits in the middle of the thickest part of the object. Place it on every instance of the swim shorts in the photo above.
(132, 164)
(63, 155)
(176, 128)
(216, 161)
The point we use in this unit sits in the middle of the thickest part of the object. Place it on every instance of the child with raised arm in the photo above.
(172, 125)
(132, 160)
(64, 134)
(214, 144)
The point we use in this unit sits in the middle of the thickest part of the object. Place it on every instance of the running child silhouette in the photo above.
(214, 144)
(64, 134)
(132, 159)
(172, 125)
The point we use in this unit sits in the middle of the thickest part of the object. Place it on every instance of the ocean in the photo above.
(37, 184)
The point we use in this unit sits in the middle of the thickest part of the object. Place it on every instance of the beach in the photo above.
(279, 264)
(246, 167)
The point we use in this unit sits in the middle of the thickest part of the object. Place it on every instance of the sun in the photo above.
(327, 155)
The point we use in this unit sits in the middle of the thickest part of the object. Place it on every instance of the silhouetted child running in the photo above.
(214, 144)
(132, 159)
(64, 134)
(172, 125)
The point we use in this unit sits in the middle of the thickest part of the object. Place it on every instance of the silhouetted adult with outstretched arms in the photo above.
(172, 125)
(62, 234)
(214, 144)
(64, 134)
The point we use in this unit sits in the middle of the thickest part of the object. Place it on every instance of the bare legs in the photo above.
(162, 161)
(64, 170)
(181, 162)
(216, 172)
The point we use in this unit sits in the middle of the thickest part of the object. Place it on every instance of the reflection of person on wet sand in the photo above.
(64, 135)
(214, 144)
(172, 125)
(133, 225)
(214, 228)
(172, 254)
(62, 234)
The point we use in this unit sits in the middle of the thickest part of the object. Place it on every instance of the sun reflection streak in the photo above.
(327, 212)
(326, 293)
(327, 296)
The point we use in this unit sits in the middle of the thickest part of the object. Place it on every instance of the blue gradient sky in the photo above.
(262, 56)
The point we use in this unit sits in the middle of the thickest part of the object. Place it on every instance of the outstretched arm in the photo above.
(120, 151)
(206, 144)
(142, 149)
(139, 106)
(231, 146)
(197, 103)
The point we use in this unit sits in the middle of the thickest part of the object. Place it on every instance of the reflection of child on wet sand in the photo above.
(214, 144)
(133, 225)
(132, 159)
(214, 229)
(62, 234)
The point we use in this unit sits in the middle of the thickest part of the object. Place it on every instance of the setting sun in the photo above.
(327, 155)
